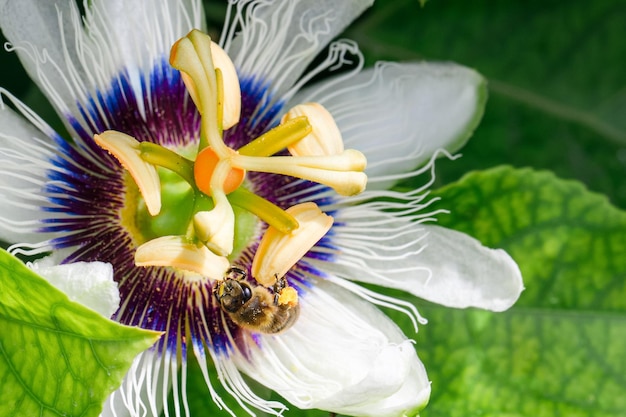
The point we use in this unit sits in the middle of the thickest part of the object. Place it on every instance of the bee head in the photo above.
(233, 292)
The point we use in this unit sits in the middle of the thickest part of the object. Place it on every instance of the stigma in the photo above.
(203, 242)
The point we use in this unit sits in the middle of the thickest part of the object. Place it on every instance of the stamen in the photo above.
(231, 109)
(278, 138)
(203, 169)
(158, 155)
(263, 209)
(192, 55)
(179, 252)
(278, 252)
(325, 138)
(127, 150)
(340, 172)
(216, 228)
(184, 58)
(191, 89)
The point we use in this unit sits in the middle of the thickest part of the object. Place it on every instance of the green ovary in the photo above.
(179, 204)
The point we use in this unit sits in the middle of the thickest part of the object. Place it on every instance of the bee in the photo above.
(255, 307)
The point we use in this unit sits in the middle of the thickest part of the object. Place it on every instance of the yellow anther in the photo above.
(178, 252)
(325, 138)
(342, 172)
(231, 106)
(278, 252)
(185, 58)
(216, 228)
(193, 56)
(127, 150)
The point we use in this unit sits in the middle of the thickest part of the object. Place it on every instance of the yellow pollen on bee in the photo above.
(288, 296)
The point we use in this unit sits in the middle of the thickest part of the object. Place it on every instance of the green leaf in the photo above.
(57, 357)
(560, 349)
(556, 74)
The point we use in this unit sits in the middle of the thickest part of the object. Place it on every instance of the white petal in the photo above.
(471, 274)
(25, 155)
(32, 26)
(143, 31)
(399, 115)
(134, 35)
(71, 60)
(431, 262)
(144, 389)
(342, 355)
(279, 39)
(88, 283)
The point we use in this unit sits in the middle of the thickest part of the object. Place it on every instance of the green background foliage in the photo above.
(556, 79)
(560, 350)
(557, 84)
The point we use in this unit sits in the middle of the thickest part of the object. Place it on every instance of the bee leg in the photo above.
(279, 285)
(285, 296)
